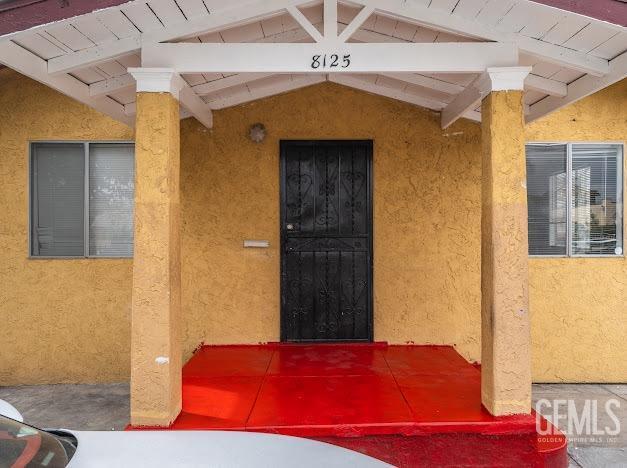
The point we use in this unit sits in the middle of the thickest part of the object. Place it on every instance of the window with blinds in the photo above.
(574, 197)
(58, 191)
(82, 199)
(111, 179)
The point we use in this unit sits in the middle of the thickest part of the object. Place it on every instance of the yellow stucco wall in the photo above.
(69, 320)
(579, 305)
(60, 320)
(426, 217)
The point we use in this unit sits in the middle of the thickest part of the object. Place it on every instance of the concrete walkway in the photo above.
(588, 448)
(102, 407)
(106, 407)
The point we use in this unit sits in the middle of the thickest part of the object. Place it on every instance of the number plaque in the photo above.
(329, 61)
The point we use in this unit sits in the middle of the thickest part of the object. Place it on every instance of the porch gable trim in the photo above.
(330, 57)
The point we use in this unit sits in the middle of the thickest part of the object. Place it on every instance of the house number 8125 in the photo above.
(330, 61)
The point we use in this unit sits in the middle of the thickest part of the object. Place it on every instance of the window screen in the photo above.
(111, 179)
(58, 185)
(73, 208)
(574, 196)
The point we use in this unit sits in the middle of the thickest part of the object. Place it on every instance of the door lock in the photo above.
(290, 227)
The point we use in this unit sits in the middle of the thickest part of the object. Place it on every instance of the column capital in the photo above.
(157, 80)
(502, 79)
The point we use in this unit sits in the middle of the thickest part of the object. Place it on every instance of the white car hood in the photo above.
(156, 449)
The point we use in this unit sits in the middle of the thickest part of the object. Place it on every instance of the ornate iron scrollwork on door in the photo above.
(326, 241)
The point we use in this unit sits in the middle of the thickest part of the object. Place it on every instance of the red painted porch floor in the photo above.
(408, 405)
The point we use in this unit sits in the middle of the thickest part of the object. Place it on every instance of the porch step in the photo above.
(393, 402)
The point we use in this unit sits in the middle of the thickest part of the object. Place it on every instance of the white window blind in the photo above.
(574, 196)
(547, 188)
(111, 183)
(57, 181)
(82, 199)
(596, 201)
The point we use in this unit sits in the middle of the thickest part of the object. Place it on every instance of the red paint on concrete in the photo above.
(232, 360)
(328, 360)
(332, 405)
(407, 405)
(226, 401)
(454, 450)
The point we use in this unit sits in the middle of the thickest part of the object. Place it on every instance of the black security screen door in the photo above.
(326, 240)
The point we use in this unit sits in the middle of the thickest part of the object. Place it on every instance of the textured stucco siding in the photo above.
(60, 320)
(69, 320)
(505, 337)
(156, 325)
(426, 217)
(579, 305)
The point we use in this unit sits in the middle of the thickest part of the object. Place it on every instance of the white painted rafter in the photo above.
(93, 56)
(494, 79)
(196, 106)
(426, 82)
(410, 78)
(546, 86)
(390, 60)
(363, 84)
(467, 100)
(28, 64)
(330, 20)
(458, 57)
(159, 80)
(532, 82)
(417, 13)
(365, 13)
(413, 12)
(111, 85)
(229, 81)
(265, 91)
(305, 23)
(581, 88)
(228, 17)
(369, 86)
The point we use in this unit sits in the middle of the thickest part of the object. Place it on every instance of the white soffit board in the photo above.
(573, 56)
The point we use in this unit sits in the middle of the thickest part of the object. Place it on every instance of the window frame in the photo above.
(32, 209)
(621, 195)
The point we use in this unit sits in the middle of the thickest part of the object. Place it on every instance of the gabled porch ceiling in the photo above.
(435, 51)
